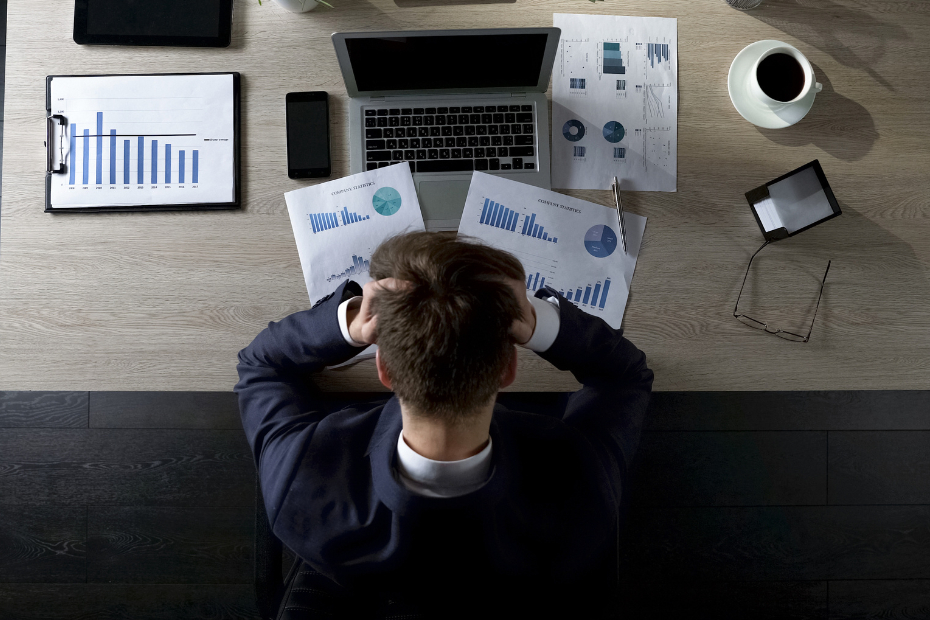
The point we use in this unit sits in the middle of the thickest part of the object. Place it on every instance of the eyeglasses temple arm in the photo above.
(746, 275)
(817, 307)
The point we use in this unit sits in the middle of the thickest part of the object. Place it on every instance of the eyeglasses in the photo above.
(751, 322)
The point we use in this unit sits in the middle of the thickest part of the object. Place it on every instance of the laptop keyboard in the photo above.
(452, 139)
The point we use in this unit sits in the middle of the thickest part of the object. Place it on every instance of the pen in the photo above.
(615, 186)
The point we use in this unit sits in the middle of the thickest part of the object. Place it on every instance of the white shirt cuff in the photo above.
(344, 322)
(548, 322)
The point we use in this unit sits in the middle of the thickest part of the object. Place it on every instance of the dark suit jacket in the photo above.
(332, 496)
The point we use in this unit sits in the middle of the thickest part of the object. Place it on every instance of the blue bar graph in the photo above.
(73, 152)
(584, 300)
(325, 221)
(497, 215)
(534, 282)
(656, 51)
(359, 266)
(99, 148)
(154, 162)
(141, 158)
(86, 155)
(125, 162)
(112, 157)
(112, 161)
(180, 166)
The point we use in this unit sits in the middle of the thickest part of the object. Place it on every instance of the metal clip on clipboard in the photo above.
(51, 141)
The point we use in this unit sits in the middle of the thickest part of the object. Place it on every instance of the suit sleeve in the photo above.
(279, 404)
(610, 408)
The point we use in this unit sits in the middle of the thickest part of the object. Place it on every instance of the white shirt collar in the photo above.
(442, 478)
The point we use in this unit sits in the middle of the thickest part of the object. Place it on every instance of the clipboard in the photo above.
(793, 202)
(159, 174)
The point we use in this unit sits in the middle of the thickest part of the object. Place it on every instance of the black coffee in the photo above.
(781, 77)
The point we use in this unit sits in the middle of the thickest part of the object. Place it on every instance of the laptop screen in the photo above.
(498, 61)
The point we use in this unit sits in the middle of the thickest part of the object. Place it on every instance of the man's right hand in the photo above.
(362, 322)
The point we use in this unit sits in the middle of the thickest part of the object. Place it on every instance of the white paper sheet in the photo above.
(566, 243)
(145, 140)
(337, 225)
(615, 103)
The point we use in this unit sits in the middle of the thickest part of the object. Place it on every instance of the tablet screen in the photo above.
(180, 18)
(794, 202)
(148, 22)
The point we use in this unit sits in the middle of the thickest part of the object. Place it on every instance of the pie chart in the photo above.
(600, 241)
(386, 201)
(614, 132)
(573, 130)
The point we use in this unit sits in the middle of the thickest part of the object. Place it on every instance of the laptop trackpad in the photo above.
(443, 200)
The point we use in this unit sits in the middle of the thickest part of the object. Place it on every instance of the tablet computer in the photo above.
(793, 202)
(191, 23)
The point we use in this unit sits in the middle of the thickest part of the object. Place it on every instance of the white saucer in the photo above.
(750, 107)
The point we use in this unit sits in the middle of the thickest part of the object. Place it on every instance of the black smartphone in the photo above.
(307, 117)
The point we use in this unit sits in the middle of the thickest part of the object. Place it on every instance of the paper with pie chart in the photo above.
(563, 242)
(337, 225)
(615, 103)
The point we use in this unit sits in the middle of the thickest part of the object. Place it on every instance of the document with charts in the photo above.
(568, 244)
(615, 103)
(337, 225)
(144, 140)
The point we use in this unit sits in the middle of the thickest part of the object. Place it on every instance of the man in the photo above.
(439, 495)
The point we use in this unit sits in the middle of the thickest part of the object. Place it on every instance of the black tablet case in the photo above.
(762, 192)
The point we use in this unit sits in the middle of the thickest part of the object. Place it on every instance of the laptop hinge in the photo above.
(520, 95)
(376, 98)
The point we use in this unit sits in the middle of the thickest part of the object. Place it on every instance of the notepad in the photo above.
(793, 202)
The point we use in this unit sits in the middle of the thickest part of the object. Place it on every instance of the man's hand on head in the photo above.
(523, 328)
(362, 322)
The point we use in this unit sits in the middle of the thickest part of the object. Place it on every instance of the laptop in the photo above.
(448, 102)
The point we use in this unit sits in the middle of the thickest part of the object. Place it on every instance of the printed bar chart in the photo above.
(534, 282)
(114, 162)
(585, 297)
(613, 59)
(321, 221)
(657, 52)
(359, 265)
(498, 216)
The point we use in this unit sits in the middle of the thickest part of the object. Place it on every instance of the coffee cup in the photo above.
(782, 76)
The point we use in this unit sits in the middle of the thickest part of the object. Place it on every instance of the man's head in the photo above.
(444, 334)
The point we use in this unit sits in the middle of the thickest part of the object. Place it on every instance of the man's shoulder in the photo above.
(542, 443)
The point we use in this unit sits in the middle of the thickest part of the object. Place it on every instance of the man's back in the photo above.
(336, 486)
(334, 497)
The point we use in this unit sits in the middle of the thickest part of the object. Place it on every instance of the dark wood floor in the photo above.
(743, 505)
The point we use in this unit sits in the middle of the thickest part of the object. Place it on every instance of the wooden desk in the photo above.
(164, 301)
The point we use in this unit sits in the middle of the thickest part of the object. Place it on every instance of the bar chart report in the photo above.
(320, 222)
(525, 224)
(359, 266)
(587, 296)
(145, 140)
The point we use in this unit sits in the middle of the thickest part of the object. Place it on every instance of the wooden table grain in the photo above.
(163, 301)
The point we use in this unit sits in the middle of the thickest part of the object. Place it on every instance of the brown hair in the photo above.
(444, 338)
